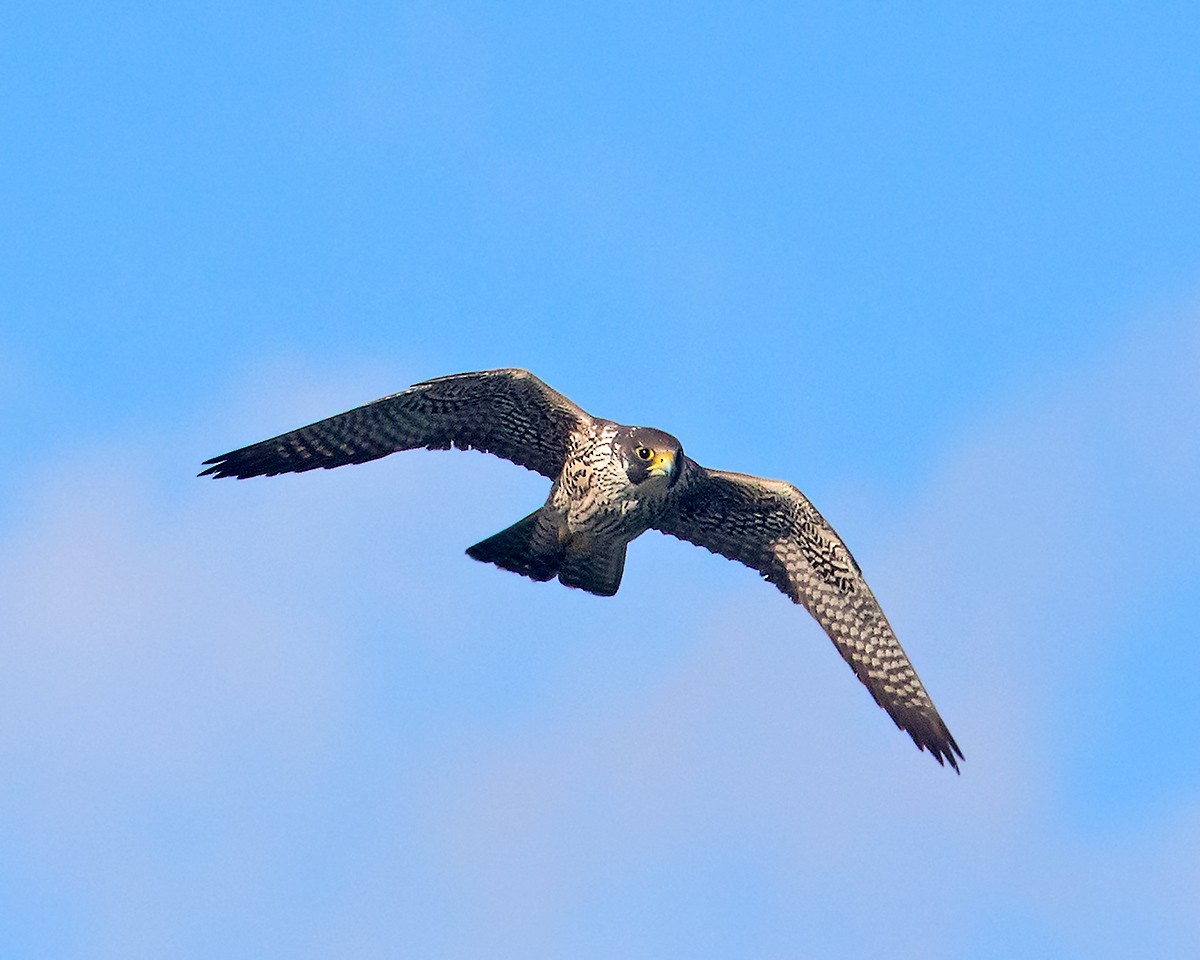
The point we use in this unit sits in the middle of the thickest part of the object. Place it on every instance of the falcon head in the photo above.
(649, 455)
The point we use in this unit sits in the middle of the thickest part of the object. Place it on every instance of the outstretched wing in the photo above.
(771, 527)
(510, 413)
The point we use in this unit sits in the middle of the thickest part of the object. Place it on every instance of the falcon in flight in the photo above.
(612, 483)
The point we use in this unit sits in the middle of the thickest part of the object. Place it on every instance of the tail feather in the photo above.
(597, 572)
(517, 549)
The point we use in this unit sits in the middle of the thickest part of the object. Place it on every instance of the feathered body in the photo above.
(593, 511)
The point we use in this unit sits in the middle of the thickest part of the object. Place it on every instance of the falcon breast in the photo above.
(610, 484)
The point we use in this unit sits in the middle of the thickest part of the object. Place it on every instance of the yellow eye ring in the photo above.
(645, 453)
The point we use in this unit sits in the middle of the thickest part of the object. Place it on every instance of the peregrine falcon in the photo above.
(612, 483)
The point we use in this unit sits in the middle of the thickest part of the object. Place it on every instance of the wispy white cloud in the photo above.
(290, 718)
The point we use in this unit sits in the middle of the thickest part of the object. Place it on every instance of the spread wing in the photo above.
(510, 413)
(771, 527)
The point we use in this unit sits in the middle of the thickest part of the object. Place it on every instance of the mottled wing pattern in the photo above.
(510, 413)
(771, 527)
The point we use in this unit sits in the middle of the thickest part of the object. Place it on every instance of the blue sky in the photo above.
(939, 267)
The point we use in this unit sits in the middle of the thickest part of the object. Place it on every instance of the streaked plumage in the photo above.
(611, 484)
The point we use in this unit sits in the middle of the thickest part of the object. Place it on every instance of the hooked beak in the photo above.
(664, 465)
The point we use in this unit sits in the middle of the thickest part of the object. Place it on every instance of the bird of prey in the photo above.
(612, 483)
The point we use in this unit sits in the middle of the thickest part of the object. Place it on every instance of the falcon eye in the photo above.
(644, 453)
